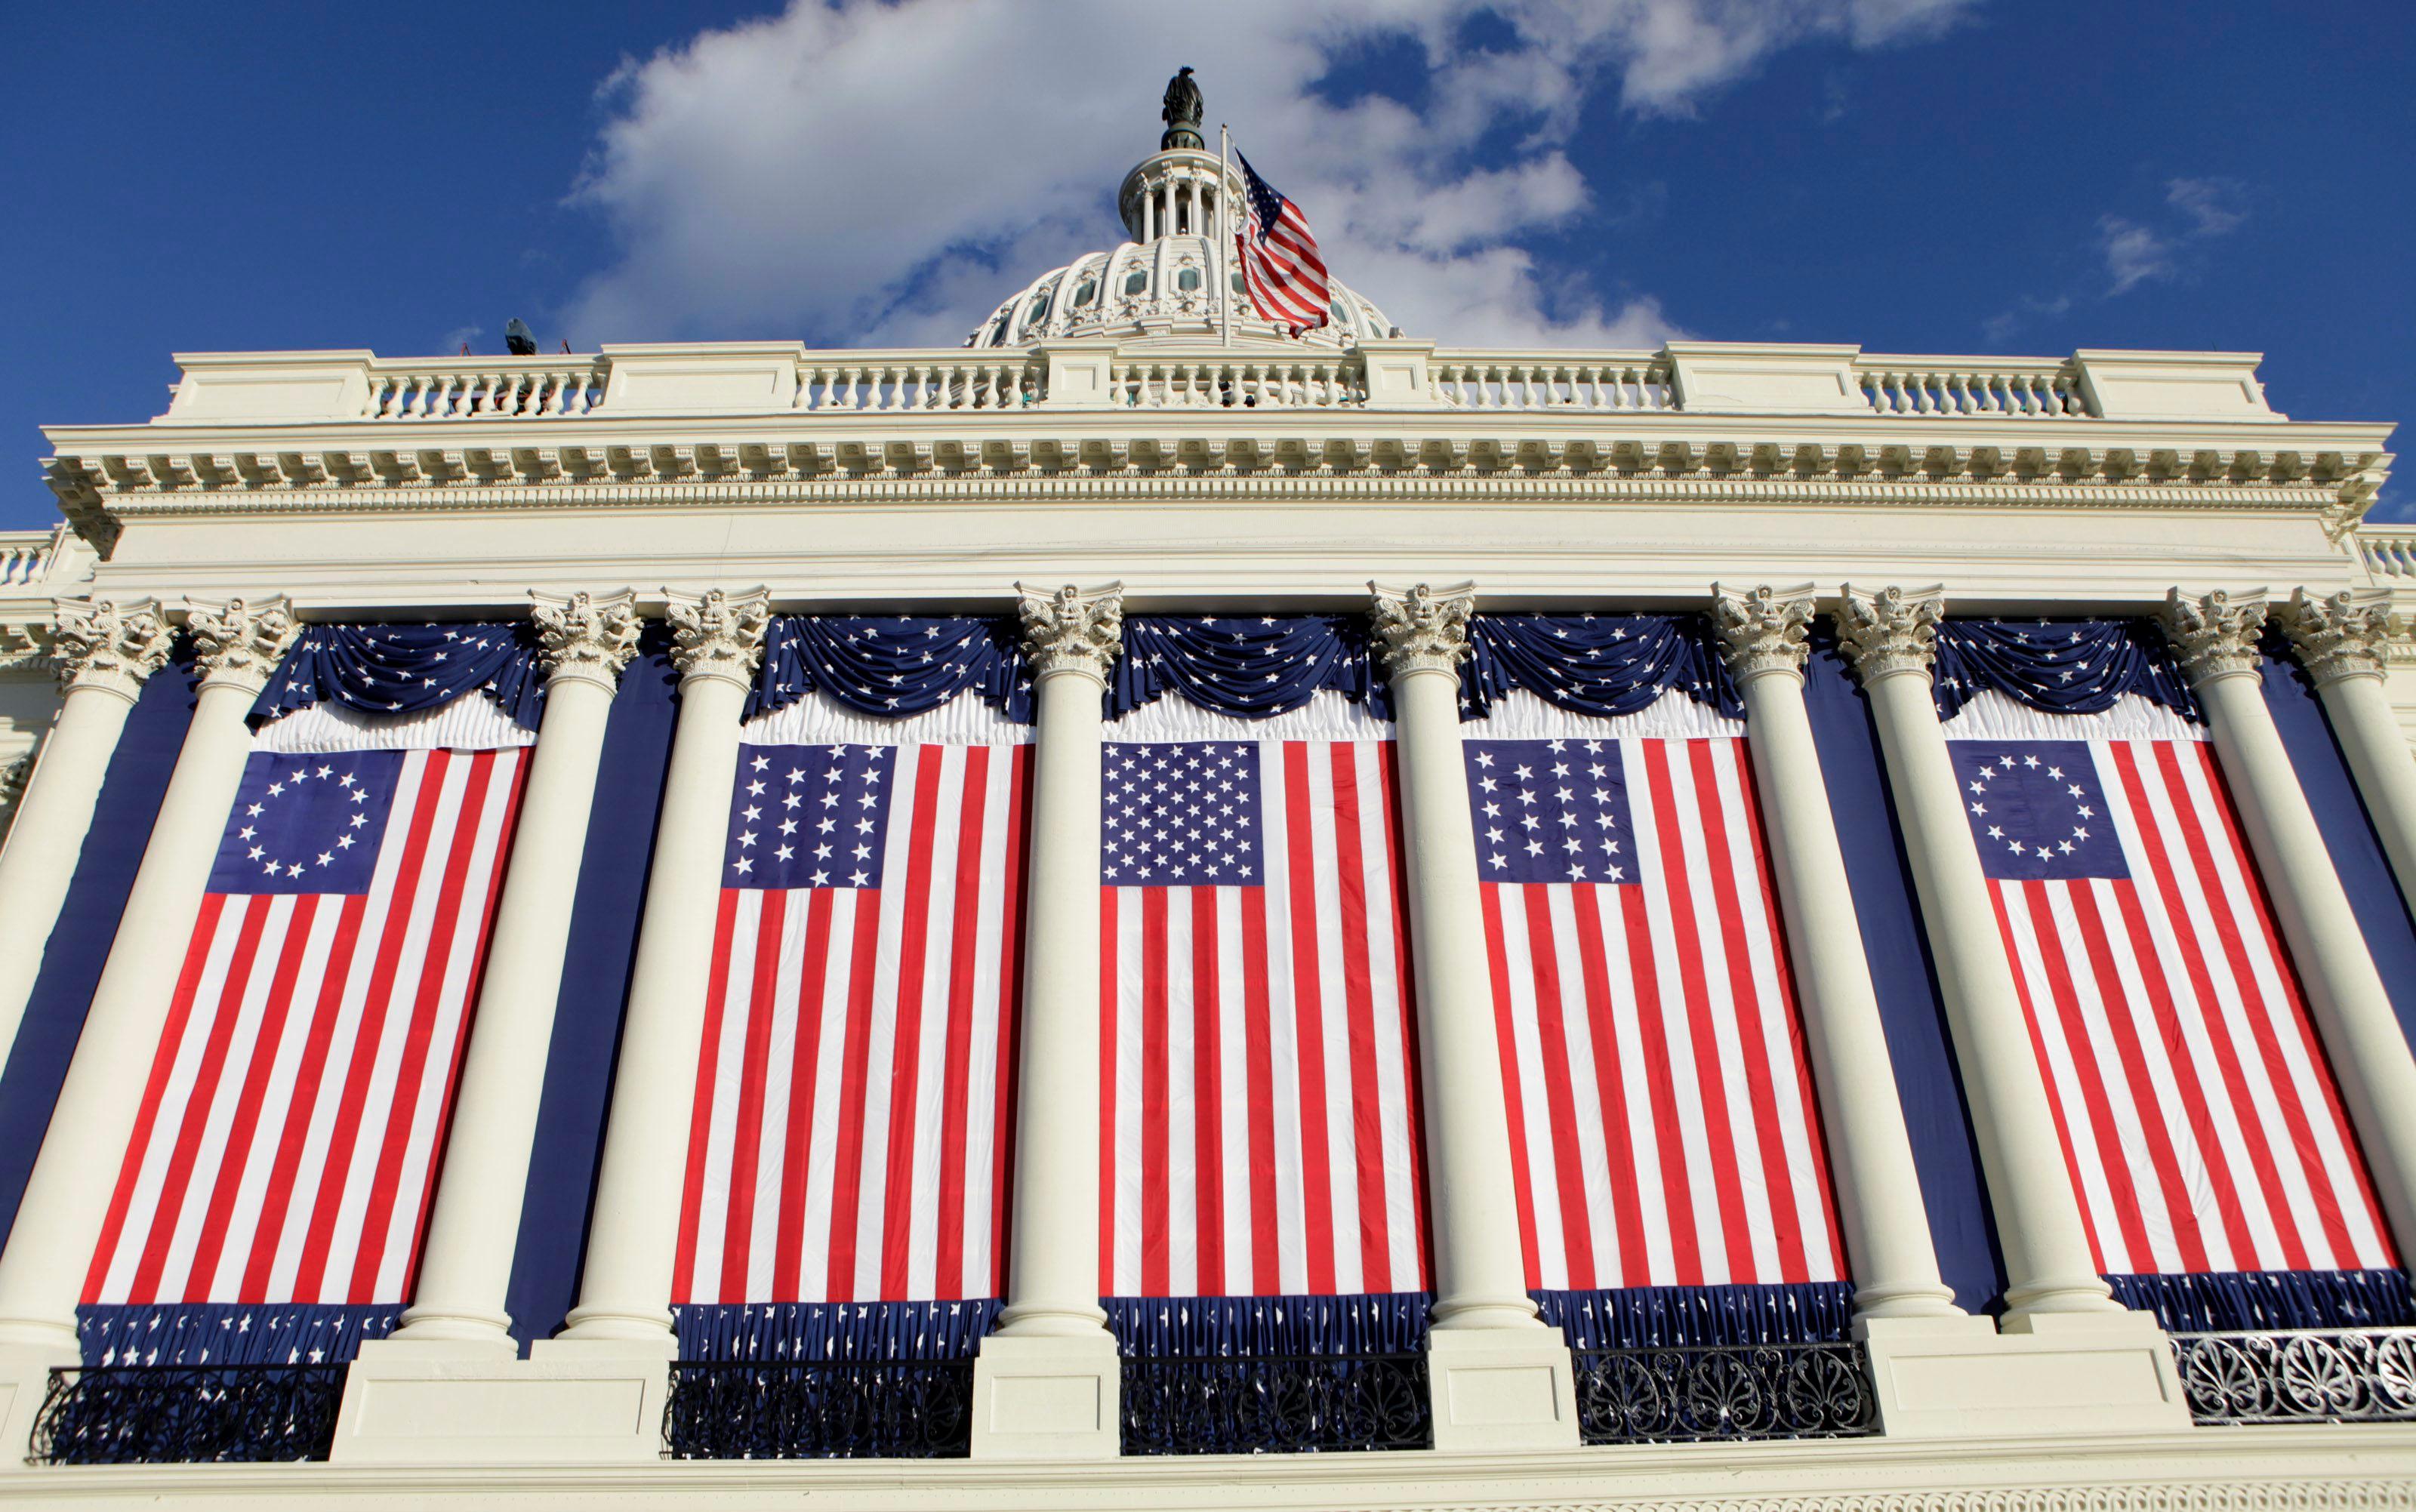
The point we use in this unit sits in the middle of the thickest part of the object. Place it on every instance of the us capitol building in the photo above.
(1130, 916)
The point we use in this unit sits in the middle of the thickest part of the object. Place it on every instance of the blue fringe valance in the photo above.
(834, 1330)
(1378, 1323)
(2058, 666)
(405, 669)
(1599, 664)
(2233, 1301)
(892, 667)
(224, 1332)
(1636, 1317)
(1248, 665)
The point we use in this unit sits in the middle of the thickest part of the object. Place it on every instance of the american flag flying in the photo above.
(1662, 1115)
(2201, 1121)
(1280, 265)
(286, 1149)
(854, 1094)
(1260, 1127)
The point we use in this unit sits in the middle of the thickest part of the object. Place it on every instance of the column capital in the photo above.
(718, 634)
(2214, 633)
(1423, 628)
(110, 645)
(12, 787)
(1893, 630)
(587, 635)
(1073, 629)
(1763, 630)
(240, 642)
(2341, 635)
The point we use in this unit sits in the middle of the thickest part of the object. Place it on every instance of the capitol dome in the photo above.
(1163, 281)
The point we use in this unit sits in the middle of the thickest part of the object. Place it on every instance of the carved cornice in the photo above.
(114, 647)
(2215, 634)
(2345, 634)
(1072, 630)
(1763, 630)
(239, 644)
(586, 636)
(1422, 629)
(718, 635)
(1893, 630)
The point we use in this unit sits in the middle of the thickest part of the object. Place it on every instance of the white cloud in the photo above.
(2134, 254)
(861, 172)
(2215, 205)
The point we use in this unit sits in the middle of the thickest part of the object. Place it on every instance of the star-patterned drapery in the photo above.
(2058, 666)
(1599, 664)
(407, 669)
(1249, 665)
(893, 666)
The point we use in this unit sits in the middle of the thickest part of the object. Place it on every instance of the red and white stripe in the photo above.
(287, 1145)
(1284, 273)
(1663, 1121)
(1260, 1126)
(853, 1102)
(2201, 1121)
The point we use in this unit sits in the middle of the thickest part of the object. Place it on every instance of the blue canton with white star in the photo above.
(1181, 815)
(307, 824)
(808, 816)
(1550, 810)
(2037, 808)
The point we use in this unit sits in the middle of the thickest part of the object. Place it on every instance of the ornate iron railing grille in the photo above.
(175, 1414)
(1685, 1393)
(2309, 1376)
(822, 1410)
(1277, 1404)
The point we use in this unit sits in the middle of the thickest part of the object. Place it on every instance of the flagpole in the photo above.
(1224, 231)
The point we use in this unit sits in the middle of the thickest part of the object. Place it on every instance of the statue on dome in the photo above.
(1181, 114)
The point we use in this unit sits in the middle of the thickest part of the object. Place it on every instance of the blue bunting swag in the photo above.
(892, 667)
(405, 669)
(945, 1330)
(1599, 664)
(230, 1333)
(1244, 1327)
(2058, 666)
(1249, 665)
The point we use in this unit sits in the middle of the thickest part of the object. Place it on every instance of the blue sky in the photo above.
(1914, 175)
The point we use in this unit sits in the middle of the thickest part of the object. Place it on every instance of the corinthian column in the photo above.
(2342, 639)
(59, 1220)
(106, 651)
(1878, 1191)
(1486, 1332)
(1890, 638)
(1046, 1384)
(2216, 635)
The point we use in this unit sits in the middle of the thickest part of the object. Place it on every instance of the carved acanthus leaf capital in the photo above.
(1423, 628)
(1763, 630)
(1072, 630)
(13, 777)
(111, 647)
(585, 635)
(239, 644)
(719, 635)
(2215, 634)
(1893, 630)
(2345, 634)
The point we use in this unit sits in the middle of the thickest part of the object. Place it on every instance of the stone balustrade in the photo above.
(2389, 555)
(900, 382)
(1574, 380)
(25, 556)
(2012, 388)
(517, 389)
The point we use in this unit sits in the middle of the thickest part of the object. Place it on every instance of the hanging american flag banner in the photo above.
(1663, 1123)
(1280, 265)
(286, 1150)
(850, 1142)
(1260, 1132)
(2201, 1121)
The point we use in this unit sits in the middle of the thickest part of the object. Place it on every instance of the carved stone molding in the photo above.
(587, 636)
(2215, 634)
(1073, 629)
(718, 635)
(2345, 634)
(111, 647)
(1893, 630)
(1421, 628)
(239, 644)
(13, 776)
(1763, 630)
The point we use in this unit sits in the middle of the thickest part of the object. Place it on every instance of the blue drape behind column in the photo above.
(1803, 1312)
(1943, 1149)
(1251, 665)
(894, 666)
(1374, 1323)
(78, 946)
(1599, 664)
(405, 669)
(2060, 666)
(595, 989)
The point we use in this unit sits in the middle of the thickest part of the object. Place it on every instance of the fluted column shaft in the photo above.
(2342, 640)
(626, 1287)
(106, 652)
(465, 1265)
(59, 1218)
